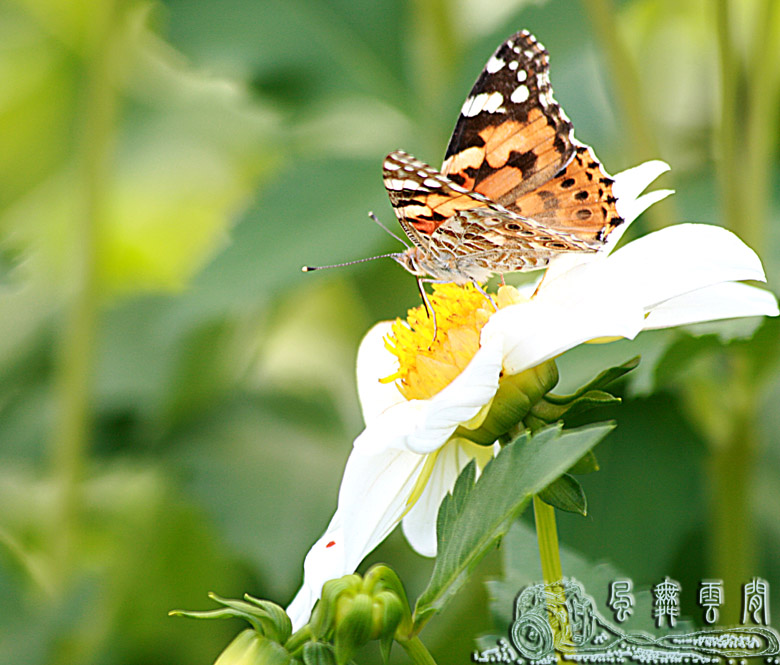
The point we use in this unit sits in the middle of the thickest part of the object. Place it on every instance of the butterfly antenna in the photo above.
(398, 238)
(349, 263)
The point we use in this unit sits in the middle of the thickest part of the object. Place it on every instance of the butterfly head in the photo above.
(412, 259)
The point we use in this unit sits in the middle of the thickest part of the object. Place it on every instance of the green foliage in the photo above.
(220, 146)
(476, 515)
(567, 494)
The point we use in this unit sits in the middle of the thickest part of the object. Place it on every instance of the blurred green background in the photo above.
(177, 400)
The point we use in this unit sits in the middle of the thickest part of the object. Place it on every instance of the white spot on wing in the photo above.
(391, 166)
(494, 64)
(513, 65)
(520, 94)
(488, 102)
(431, 182)
(395, 185)
(522, 75)
(493, 103)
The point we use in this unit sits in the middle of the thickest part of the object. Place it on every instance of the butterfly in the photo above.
(516, 188)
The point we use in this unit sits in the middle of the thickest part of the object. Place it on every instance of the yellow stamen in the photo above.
(426, 367)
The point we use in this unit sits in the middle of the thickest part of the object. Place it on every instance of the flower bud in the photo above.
(251, 648)
(354, 610)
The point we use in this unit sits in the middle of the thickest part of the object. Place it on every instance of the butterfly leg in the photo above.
(488, 297)
(429, 309)
(539, 285)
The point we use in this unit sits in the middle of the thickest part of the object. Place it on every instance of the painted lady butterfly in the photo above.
(516, 188)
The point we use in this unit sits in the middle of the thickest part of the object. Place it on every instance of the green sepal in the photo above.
(251, 648)
(354, 625)
(385, 578)
(265, 617)
(389, 612)
(385, 647)
(592, 399)
(553, 408)
(549, 412)
(271, 653)
(601, 381)
(588, 463)
(324, 615)
(275, 618)
(318, 653)
(567, 494)
(516, 395)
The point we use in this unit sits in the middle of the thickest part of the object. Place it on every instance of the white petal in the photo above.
(423, 426)
(373, 496)
(375, 362)
(324, 561)
(663, 265)
(721, 301)
(460, 401)
(372, 499)
(419, 524)
(610, 297)
(546, 327)
(628, 186)
(669, 263)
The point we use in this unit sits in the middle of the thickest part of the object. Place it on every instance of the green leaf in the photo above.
(476, 515)
(567, 494)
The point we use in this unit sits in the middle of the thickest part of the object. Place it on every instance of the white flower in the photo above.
(407, 459)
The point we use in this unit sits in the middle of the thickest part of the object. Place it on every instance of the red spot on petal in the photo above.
(331, 543)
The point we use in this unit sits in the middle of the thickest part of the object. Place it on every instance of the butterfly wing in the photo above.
(422, 198)
(464, 235)
(514, 144)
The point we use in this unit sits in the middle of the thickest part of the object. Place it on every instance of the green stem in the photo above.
(733, 539)
(297, 641)
(731, 471)
(626, 81)
(549, 553)
(547, 535)
(730, 176)
(78, 340)
(417, 651)
(763, 87)
(746, 144)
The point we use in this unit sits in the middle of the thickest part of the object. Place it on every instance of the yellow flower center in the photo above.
(426, 365)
